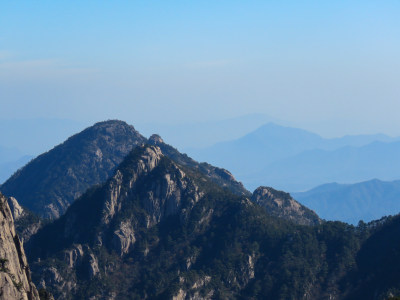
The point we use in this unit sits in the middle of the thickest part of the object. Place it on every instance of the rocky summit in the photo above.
(281, 204)
(52, 181)
(15, 276)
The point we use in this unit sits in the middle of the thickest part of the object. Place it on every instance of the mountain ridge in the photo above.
(367, 201)
(154, 214)
(82, 160)
(272, 155)
(53, 180)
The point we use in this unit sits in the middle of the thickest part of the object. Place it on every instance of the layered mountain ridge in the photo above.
(154, 213)
(367, 201)
(294, 160)
(164, 226)
(52, 181)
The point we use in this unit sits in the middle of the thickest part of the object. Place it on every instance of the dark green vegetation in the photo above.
(378, 261)
(369, 200)
(158, 229)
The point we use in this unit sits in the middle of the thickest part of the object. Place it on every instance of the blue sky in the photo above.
(329, 66)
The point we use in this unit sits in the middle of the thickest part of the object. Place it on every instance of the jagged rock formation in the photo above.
(26, 223)
(282, 205)
(159, 229)
(16, 209)
(52, 181)
(15, 277)
(163, 189)
(218, 175)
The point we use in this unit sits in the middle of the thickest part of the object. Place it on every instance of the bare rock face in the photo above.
(93, 266)
(15, 277)
(124, 238)
(282, 205)
(74, 255)
(148, 160)
(193, 293)
(161, 197)
(25, 222)
(16, 209)
(220, 176)
(155, 139)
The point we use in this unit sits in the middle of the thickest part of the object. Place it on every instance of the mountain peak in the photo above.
(111, 122)
(156, 139)
(51, 182)
(281, 204)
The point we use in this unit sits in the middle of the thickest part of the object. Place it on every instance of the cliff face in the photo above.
(282, 205)
(15, 277)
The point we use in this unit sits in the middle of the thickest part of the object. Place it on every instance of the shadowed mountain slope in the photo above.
(49, 183)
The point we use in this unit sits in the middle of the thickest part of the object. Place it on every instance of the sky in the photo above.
(332, 67)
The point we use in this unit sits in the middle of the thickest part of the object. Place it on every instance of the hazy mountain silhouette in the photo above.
(367, 201)
(294, 159)
(347, 165)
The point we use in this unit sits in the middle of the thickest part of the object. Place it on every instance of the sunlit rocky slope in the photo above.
(15, 276)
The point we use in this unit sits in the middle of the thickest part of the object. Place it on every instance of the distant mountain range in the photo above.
(346, 165)
(296, 160)
(367, 201)
(186, 136)
(8, 154)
